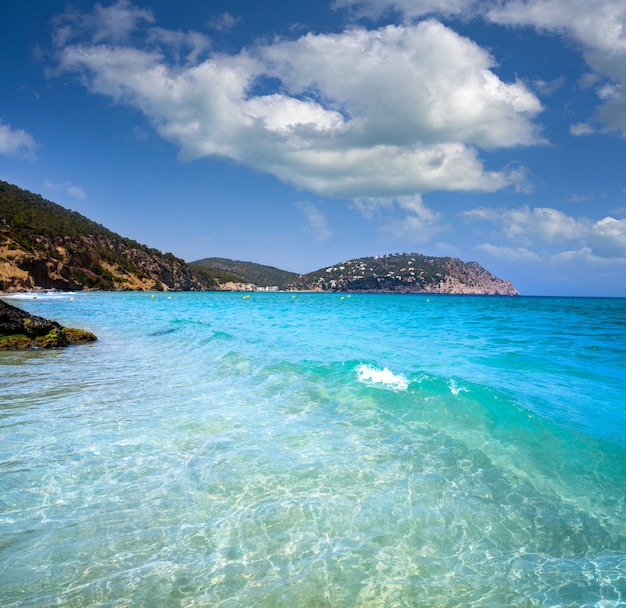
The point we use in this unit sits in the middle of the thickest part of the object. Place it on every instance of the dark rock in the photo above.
(13, 320)
(20, 330)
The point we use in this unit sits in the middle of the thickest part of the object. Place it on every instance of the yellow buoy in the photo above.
(71, 299)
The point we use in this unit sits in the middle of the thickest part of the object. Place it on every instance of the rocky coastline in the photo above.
(19, 330)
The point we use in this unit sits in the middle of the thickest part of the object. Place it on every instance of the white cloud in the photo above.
(580, 198)
(67, 187)
(336, 124)
(409, 8)
(105, 24)
(595, 23)
(581, 128)
(449, 93)
(586, 257)
(417, 224)
(224, 22)
(510, 254)
(598, 26)
(528, 227)
(185, 47)
(16, 143)
(318, 223)
(608, 238)
(549, 88)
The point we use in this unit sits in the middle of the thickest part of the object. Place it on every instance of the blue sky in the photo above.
(304, 134)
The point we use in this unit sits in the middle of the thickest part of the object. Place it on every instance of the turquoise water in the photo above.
(314, 451)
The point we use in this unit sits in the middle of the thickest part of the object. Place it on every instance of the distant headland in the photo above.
(44, 246)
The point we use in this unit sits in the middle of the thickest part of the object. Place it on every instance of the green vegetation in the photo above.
(53, 339)
(247, 272)
(62, 249)
(388, 272)
(214, 275)
(15, 342)
(28, 215)
(404, 272)
(76, 252)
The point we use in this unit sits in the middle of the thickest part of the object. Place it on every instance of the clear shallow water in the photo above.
(374, 451)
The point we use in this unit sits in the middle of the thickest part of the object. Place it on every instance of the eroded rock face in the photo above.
(19, 330)
(91, 262)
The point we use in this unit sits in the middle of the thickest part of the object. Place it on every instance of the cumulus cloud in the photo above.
(16, 143)
(529, 226)
(606, 238)
(388, 112)
(586, 257)
(595, 23)
(407, 84)
(597, 26)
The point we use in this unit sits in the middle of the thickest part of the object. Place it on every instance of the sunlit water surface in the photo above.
(316, 450)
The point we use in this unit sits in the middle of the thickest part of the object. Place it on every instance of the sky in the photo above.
(301, 135)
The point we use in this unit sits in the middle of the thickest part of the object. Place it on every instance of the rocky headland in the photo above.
(46, 247)
(406, 273)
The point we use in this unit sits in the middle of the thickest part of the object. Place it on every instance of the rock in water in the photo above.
(19, 330)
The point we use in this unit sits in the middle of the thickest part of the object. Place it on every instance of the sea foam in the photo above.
(384, 377)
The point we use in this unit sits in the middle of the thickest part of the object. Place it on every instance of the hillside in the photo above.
(45, 246)
(248, 272)
(405, 273)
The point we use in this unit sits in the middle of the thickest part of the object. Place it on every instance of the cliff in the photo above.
(44, 246)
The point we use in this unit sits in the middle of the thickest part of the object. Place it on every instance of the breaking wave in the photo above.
(369, 374)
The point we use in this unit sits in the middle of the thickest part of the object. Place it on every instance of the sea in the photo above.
(316, 450)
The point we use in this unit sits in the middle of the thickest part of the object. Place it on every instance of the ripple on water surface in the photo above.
(202, 464)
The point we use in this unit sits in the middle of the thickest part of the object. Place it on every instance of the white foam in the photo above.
(385, 377)
(37, 295)
(455, 389)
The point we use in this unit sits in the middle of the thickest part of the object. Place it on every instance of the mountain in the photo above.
(405, 273)
(247, 272)
(397, 272)
(45, 246)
